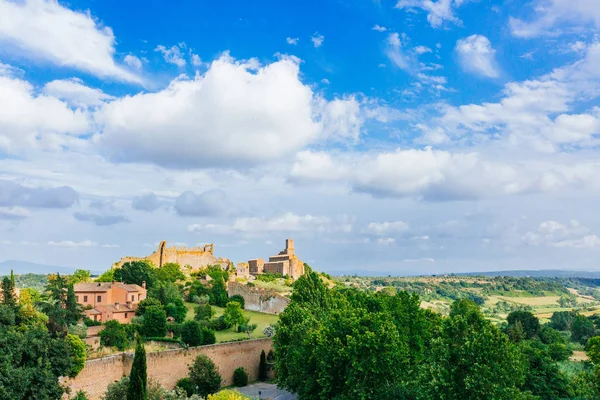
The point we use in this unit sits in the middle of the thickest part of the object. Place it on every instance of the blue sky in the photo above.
(407, 136)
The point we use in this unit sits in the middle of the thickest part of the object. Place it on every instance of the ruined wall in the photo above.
(168, 366)
(257, 299)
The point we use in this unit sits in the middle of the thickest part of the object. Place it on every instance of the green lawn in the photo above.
(260, 319)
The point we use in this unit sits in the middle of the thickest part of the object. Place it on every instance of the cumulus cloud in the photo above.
(476, 55)
(288, 222)
(292, 41)
(133, 61)
(72, 244)
(10, 71)
(14, 194)
(387, 227)
(29, 120)
(554, 17)
(172, 55)
(438, 11)
(317, 39)
(204, 204)
(13, 213)
(74, 92)
(554, 234)
(45, 30)
(386, 241)
(379, 28)
(100, 219)
(196, 60)
(148, 202)
(217, 118)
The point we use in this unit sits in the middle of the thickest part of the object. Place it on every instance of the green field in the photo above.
(260, 319)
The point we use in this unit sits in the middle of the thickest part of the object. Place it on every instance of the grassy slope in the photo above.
(261, 319)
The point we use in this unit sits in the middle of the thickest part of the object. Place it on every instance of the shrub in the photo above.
(117, 390)
(114, 334)
(219, 324)
(204, 312)
(228, 395)
(78, 354)
(90, 322)
(80, 395)
(208, 336)
(204, 375)
(191, 333)
(239, 299)
(187, 385)
(240, 377)
(78, 330)
(154, 322)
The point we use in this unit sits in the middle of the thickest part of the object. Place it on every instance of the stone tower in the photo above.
(289, 246)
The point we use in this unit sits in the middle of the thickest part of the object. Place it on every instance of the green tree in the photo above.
(147, 302)
(114, 334)
(177, 310)
(240, 377)
(218, 293)
(204, 312)
(562, 320)
(233, 314)
(154, 322)
(471, 359)
(73, 310)
(106, 276)
(8, 291)
(169, 272)
(582, 328)
(240, 299)
(529, 322)
(165, 292)
(543, 377)
(78, 352)
(592, 349)
(191, 333)
(136, 272)
(138, 378)
(204, 376)
(80, 275)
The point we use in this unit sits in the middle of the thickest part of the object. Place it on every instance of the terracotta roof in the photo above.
(105, 287)
(123, 308)
(93, 311)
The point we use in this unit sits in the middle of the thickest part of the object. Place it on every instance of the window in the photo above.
(138, 296)
(77, 299)
(99, 299)
(132, 298)
(84, 299)
(125, 315)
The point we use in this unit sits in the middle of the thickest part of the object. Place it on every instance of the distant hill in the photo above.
(542, 273)
(24, 267)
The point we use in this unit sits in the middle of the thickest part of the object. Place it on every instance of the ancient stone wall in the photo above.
(168, 366)
(257, 299)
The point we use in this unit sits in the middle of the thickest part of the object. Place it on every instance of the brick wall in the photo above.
(171, 365)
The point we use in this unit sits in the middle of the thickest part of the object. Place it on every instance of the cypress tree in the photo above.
(8, 290)
(262, 367)
(73, 309)
(138, 379)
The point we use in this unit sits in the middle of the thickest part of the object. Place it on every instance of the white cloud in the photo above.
(72, 244)
(45, 30)
(29, 121)
(379, 28)
(288, 222)
(133, 61)
(555, 17)
(215, 118)
(13, 213)
(476, 55)
(317, 39)
(437, 11)
(419, 260)
(422, 49)
(10, 71)
(395, 52)
(554, 234)
(196, 60)
(75, 93)
(385, 228)
(172, 55)
(325, 81)
(292, 41)
(386, 241)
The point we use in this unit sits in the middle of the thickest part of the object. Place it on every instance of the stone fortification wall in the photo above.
(168, 366)
(261, 300)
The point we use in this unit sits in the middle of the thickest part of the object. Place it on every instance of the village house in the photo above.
(105, 301)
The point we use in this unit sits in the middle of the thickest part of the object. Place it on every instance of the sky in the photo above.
(396, 137)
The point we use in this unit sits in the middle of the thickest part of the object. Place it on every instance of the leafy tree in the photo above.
(240, 377)
(138, 378)
(8, 291)
(240, 299)
(205, 376)
(78, 352)
(471, 359)
(7, 315)
(218, 293)
(169, 272)
(208, 336)
(147, 302)
(154, 322)
(582, 329)
(562, 320)
(592, 349)
(80, 275)
(249, 328)
(262, 367)
(543, 377)
(191, 333)
(233, 314)
(114, 334)
(107, 276)
(73, 309)
(204, 312)
(136, 272)
(177, 310)
(529, 322)
(165, 292)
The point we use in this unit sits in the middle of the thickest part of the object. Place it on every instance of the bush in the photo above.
(154, 322)
(114, 335)
(219, 324)
(208, 336)
(117, 390)
(90, 322)
(228, 395)
(239, 299)
(240, 377)
(204, 312)
(80, 395)
(191, 333)
(187, 385)
(78, 330)
(78, 353)
(204, 375)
